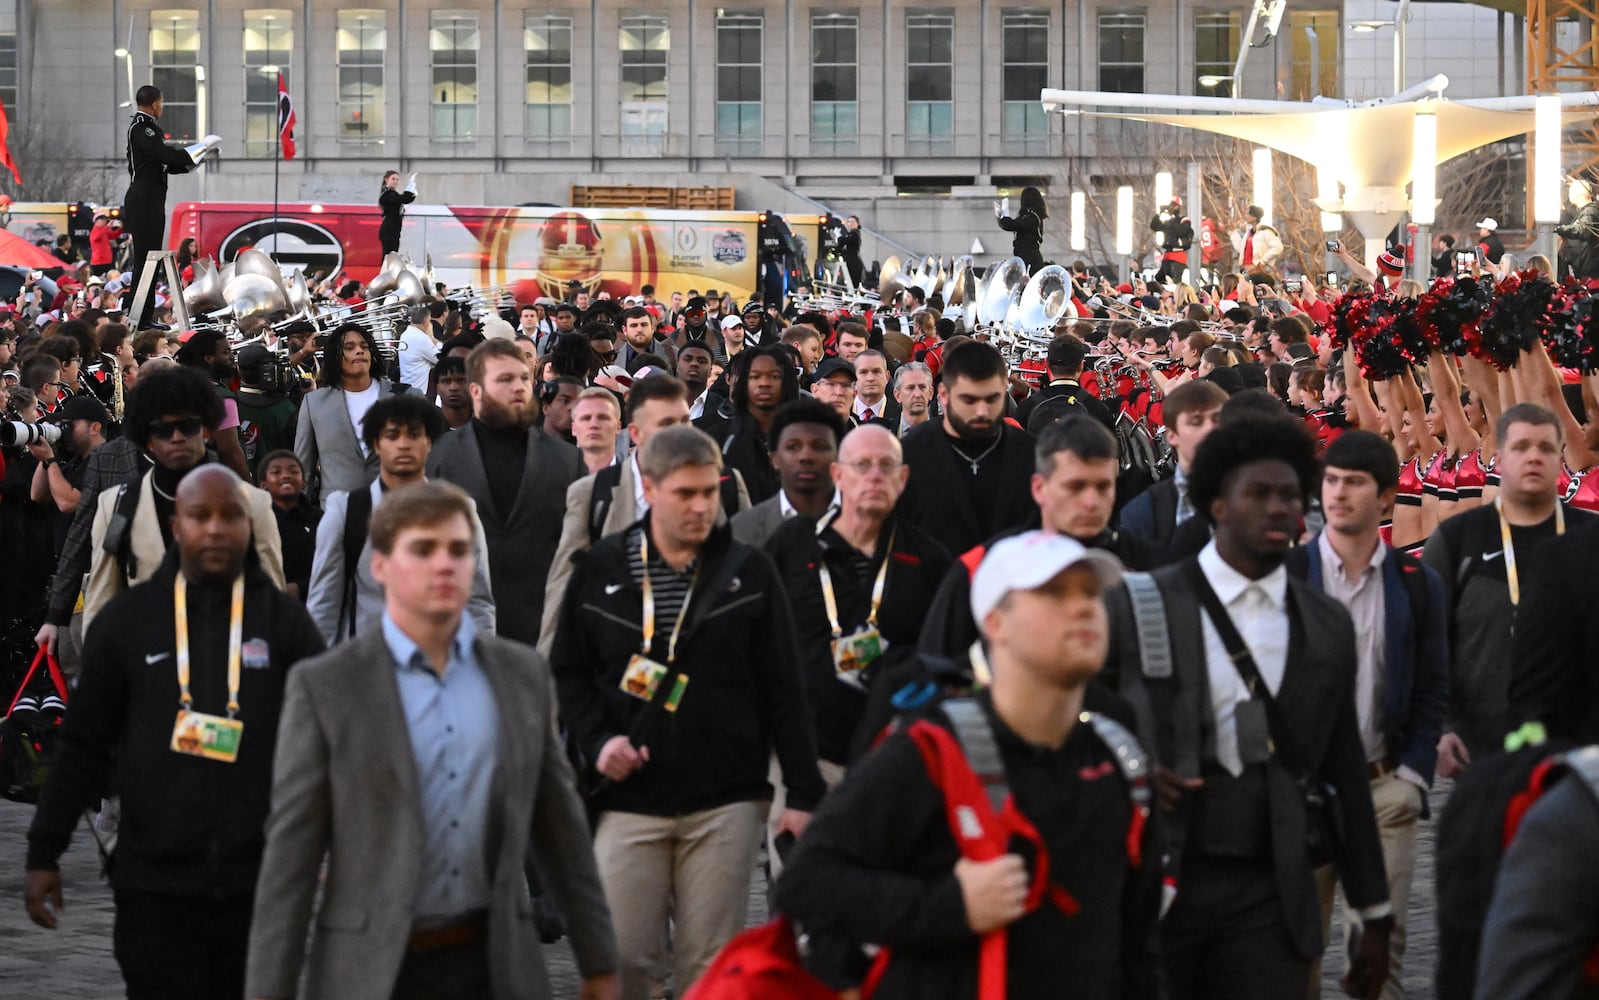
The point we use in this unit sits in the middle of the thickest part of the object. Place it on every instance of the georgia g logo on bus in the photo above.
(294, 242)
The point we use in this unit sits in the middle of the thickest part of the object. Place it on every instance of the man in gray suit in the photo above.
(517, 474)
(424, 764)
(805, 439)
(655, 403)
(328, 438)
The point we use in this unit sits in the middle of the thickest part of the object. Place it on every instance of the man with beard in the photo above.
(638, 338)
(969, 473)
(763, 381)
(517, 474)
(698, 328)
(195, 783)
(208, 351)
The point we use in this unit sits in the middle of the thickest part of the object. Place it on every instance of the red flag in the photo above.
(5, 149)
(285, 119)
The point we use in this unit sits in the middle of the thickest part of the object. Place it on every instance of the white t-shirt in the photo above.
(418, 354)
(356, 404)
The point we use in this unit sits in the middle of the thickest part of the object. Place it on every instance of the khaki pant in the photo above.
(1398, 806)
(832, 774)
(693, 869)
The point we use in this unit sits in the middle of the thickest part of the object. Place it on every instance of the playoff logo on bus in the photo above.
(294, 242)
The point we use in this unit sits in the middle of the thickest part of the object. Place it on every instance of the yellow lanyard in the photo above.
(1511, 576)
(180, 611)
(877, 590)
(649, 602)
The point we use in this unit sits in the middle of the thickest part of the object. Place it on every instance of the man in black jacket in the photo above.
(675, 665)
(1253, 703)
(880, 864)
(762, 380)
(144, 206)
(859, 582)
(1191, 412)
(1065, 360)
(195, 791)
(969, 472)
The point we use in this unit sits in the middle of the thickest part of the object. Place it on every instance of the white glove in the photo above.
(999, 212)
(410, 184)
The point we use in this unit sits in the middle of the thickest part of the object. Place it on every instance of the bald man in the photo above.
(882, 572)
(193, 716)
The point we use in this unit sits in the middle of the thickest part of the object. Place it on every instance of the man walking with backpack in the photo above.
(1064, 395)
(968, 916)
(344, 599)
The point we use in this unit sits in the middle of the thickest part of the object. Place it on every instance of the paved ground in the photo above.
(75, 963)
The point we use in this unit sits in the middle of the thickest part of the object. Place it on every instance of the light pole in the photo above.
(127, 61)
(1548, 123)
(1423, 188)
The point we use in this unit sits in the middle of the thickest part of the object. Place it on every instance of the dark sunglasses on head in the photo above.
(161, 430)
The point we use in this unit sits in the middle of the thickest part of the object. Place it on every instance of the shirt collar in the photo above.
(787, 509)
(876, 408)
(1332, 561)
(1229, 584)
(406, 652)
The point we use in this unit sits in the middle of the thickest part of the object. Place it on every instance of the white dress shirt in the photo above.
(788, 510)
(1259, 610)
(877, 408)
(638, 484)
(696, 409)
(1364, 599)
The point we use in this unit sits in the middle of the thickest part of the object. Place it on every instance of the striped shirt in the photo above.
(669, 587)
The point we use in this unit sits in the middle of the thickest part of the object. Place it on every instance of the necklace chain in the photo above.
(974, 462)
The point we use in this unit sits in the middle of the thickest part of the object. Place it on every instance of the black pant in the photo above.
(144, 224)
(1226, 937)
(460, 973)
(181, 947)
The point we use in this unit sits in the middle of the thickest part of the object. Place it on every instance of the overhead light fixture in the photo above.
(121, 53)
(1212, 80)
(1369, 26)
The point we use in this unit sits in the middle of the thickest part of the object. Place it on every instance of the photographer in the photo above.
(266, 404)
(81, 422)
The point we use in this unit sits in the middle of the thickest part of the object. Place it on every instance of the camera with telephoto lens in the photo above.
(279, 376)
(19, 432)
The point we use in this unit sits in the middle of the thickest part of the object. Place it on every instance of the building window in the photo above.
(548, 43)
(930, 80)
(1025, 43)
(268, 41)
(835, 107)
(646, 43)
(453, 39)
(174, 62)
(8, 76)
(360, 42)
(1121, 53)
(1215, 48)
(1305, 78)
(738, 83)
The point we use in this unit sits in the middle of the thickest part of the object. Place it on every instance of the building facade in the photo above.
(913, 116)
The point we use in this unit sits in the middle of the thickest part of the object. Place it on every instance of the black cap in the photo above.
(567, 307)
(697, 302)
(254, 356)
(81, 408)
(832, 366)
(1228, 379)
(752, 307)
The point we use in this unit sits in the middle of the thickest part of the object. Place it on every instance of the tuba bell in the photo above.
(890, 281)
(383, 282)
(408, 288)
(1000, 290)
(299, 295)
(1044, 301)
(962, 285)
(255, 300)
(256, 261)
(204, 293)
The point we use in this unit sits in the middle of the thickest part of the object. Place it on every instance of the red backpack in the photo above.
(763, 963)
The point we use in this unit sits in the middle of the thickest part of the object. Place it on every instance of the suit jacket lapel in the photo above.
(624, 506)
(536, 442)
(1192, 725)
(376, 692)
(340, 417)
(471, 477)
(146, 526)
(513, 759)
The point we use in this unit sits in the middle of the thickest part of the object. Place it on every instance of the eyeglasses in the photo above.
(161, 430)
(608, 355)
(866, 466)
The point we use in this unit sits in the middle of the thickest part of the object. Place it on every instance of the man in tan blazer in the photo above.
(654, 403)
(422, 760)
(170, 415)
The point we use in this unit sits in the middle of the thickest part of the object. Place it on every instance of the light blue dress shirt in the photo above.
(454, 728)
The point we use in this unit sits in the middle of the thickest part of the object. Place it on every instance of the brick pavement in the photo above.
(75, 963)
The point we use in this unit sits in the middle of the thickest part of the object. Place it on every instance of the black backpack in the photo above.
(357, 516)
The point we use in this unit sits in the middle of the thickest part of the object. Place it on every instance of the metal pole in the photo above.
(1399, 45)
(1196, 216)
(277, 160)
(1243, 50)
(1315, 61)
(1421, 267)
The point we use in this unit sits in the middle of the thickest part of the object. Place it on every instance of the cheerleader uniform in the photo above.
(1470, 476)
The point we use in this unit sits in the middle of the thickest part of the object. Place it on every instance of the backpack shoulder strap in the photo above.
(1583, 763)
(1154, 634)
(357, 516)
(605, 483)
(119, 533)
(976, 738)
(1133, 763)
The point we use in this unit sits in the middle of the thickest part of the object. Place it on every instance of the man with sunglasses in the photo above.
(170, 415)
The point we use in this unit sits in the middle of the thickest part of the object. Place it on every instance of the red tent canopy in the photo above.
(18, 252)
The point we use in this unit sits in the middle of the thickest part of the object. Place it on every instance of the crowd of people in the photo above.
(567, 619)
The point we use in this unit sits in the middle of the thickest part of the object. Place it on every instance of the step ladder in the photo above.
(156, 260)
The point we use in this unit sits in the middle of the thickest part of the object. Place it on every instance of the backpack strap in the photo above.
(605, 483)
(1154, 634)
(119, 534)
(1135, 769)
(357, 516)
(976, 738)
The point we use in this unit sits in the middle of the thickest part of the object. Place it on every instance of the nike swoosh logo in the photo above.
(1491, 556)
(611, 588)
(155, 657)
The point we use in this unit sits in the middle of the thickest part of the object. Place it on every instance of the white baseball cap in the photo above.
(1488, 224)
(1030, 560)
(728, 322)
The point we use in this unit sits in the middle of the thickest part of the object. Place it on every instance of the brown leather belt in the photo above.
(1381, 768)
(462, 932)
